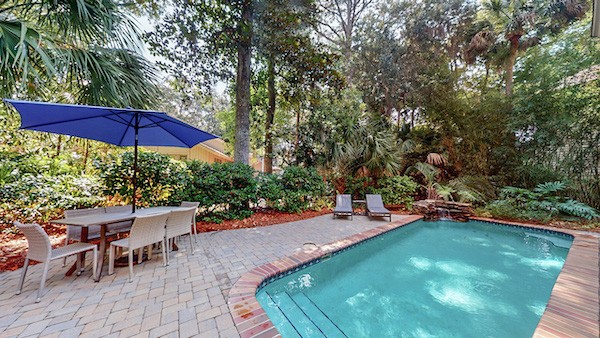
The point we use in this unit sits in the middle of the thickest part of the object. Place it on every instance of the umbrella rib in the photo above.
(126, 129)
(175, 136)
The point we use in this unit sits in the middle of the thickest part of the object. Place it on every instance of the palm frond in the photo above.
(436, 159)
(576, 208)
(26, 55)
(549, 188)
(113, 77)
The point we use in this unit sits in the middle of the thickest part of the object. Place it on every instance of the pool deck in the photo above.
(196, 295)
(186, 299)
(572, 311)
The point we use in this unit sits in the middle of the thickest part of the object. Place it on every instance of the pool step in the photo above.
(284, 326)
(328, 327)
(300, 317)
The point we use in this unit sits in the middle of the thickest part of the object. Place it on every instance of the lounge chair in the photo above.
(343, 206)
(375, 207)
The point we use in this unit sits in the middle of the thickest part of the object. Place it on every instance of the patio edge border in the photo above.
(572, 309)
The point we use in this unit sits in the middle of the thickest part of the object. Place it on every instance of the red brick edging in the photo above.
(572, 310)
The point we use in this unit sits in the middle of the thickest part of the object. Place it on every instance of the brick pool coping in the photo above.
(572, 311)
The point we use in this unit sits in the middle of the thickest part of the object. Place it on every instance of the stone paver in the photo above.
(187, 298)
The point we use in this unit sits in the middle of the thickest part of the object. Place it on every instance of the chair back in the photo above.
(40, 248)
(118, 209)
(185, 204)
(343, 201)
(83, 212)
(374, 201)
(189, 204)
(147, 230)
(178, 222)
(74, 232)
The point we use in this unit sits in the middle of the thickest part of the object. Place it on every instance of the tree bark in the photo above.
(297, 143)
(510, 64)
(268, 161)
(241, 151)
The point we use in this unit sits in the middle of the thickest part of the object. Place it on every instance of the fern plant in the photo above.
(545, 197)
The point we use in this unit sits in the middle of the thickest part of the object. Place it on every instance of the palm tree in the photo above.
(430, 174)
(510, 26)
(85, 51)
(373, 152)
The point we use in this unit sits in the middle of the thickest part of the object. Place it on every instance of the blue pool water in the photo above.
(427, 279)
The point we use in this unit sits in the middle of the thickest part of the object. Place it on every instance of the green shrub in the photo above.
(158, 180)
(270, 189)
(357, 186)
(39, 198)
(295, 190)
(224, 190)
(396, 190)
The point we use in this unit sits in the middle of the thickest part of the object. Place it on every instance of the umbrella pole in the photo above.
(136, 127)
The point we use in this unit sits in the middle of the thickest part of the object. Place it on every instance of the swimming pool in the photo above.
(424, 279)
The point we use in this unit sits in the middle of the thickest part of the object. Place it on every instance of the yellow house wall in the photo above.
(198, 152)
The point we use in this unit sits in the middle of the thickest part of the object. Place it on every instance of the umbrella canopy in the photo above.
(118, 126)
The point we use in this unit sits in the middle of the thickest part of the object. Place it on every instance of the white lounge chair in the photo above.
(40, 249)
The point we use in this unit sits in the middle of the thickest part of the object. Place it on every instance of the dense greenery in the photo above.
(542, 203)
(464, 97)
(35, 188)
(38, 189)
(158, 180)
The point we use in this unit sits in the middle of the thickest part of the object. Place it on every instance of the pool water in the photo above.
(426, 279)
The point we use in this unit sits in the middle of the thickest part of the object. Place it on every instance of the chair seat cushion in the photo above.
(123, 243)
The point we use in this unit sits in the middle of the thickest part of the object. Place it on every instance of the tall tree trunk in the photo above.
(510, 64)
(268, 161)
(241, 151)
(297, 143)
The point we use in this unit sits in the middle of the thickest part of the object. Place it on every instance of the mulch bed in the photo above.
(12, 249)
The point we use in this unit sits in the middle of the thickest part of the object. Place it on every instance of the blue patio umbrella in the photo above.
(118, 126)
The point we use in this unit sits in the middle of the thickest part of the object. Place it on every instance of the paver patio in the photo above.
(188, 298)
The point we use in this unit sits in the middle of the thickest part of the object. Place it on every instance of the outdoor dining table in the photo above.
(103, 220)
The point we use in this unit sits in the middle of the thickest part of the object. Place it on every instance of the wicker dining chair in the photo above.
(40, 249)
(185, 204)
(178, 224)
(74, 232)
(119, 227)
(145, 231)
